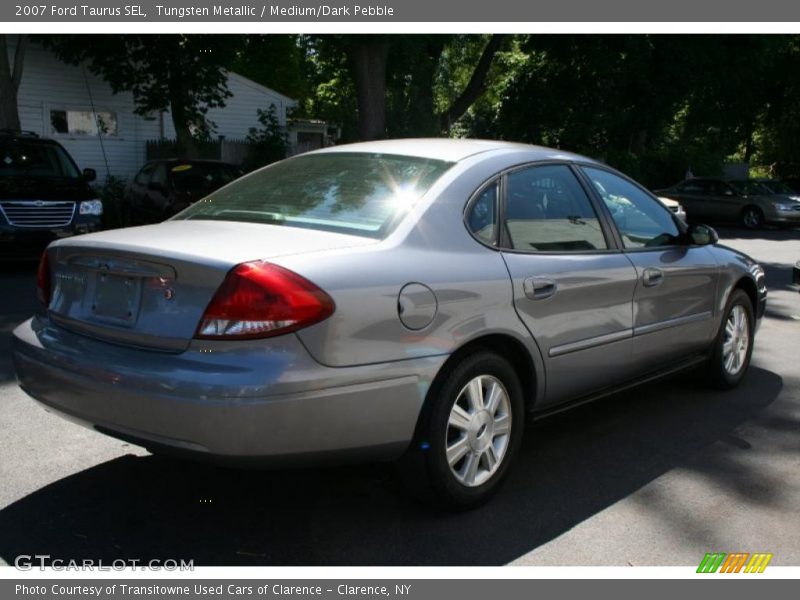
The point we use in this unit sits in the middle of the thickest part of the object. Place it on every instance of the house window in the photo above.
(83, 122)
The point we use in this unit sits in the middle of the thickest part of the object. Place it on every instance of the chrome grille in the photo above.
(38, 213)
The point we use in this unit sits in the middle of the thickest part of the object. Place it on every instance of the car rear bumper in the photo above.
(268, 403)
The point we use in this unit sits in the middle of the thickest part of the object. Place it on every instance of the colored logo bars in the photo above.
(734, 563)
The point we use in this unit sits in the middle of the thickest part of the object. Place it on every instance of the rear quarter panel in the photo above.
(432, 246)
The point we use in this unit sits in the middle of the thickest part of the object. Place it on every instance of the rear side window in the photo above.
(482, 217)
(143, 176)
(642, 221)
(355, 193)
(695, 187)
(548, 211)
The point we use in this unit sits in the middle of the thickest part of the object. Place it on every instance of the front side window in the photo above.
(547, 210)
(354, 193)
(159, 175)
(750, 188)
(642, 220)
(83, 122)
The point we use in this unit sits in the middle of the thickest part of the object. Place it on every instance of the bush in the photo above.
(268, 144)
(112, 193)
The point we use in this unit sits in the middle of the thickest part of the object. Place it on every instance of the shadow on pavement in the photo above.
(17, 303)
(570, 467)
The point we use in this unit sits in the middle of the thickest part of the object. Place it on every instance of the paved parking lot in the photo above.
(655, 476)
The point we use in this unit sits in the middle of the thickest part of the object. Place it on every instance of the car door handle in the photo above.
(539, 288)
(652, 277)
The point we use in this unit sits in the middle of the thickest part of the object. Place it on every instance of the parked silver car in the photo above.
(745, 201)
(410, 299)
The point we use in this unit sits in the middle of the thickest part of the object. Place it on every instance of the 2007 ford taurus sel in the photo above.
(411, 299)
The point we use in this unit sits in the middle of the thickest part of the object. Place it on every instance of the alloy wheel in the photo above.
(737, 340)
(478, 430)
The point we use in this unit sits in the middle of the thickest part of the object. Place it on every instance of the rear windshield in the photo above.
(22, 159)
(355, 193)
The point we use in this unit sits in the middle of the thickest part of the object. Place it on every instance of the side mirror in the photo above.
(89, 175)
(703, 235)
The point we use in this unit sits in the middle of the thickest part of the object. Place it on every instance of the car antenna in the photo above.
(96, 123)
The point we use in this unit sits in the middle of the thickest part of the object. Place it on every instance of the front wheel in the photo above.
(752, 217)
(469, 433)
(734, 344)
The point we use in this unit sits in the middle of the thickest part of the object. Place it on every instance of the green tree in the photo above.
(184, 74)
(393, 79)
(277, 61)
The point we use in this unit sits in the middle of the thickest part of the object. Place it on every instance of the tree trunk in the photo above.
(422, 117)
(749, 144)
(476, 85)
(187, 146)
(368, 62)
(10, 80)
(638, 141)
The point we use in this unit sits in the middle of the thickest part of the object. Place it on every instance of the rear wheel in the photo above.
(469, 434)
(752, 217)
(734, 344)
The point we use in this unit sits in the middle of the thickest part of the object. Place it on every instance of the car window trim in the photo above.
(473, 199)
(682, 227)
(503, 238)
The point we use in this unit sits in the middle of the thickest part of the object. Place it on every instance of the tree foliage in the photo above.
(651, 105)
(180, 73)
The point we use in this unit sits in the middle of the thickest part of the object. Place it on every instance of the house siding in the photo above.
(49, 84)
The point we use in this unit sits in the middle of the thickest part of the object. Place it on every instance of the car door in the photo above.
(728, 202)
(673, 302)
(572, 288)
(693, 194)
(157, 193)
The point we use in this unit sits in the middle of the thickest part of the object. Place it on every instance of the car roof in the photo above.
(450, 150)
(193, 161)
(27, 138)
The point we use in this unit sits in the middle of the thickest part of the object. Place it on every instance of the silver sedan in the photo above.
(412, 299)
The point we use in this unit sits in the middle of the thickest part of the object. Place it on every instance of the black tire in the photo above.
(716, 373)
(752, 217)
(425, 469)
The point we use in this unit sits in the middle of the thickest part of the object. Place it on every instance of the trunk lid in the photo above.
(149, 286)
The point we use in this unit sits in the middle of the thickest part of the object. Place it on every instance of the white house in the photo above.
(66, 103)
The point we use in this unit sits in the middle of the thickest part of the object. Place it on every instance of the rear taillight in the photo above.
(43, 280)
(258, 299)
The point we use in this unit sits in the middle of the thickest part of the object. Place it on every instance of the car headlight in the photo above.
(91, 207)
(781, 206)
